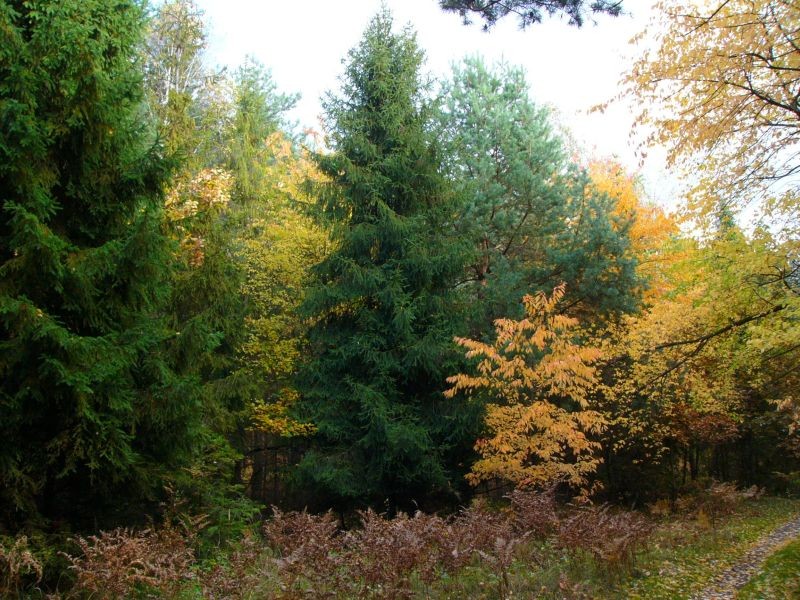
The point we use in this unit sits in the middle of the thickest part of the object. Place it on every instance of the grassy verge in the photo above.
(780, 577)
(682, 558)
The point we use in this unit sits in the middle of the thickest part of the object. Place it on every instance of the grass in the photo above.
(682, 558)
(779, 578)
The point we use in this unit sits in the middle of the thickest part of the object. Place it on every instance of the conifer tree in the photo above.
(92, 411)
(383, 306)
(529, 213)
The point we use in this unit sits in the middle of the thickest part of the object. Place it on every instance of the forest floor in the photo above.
(726, 585)
(748, 549)
(690, 560)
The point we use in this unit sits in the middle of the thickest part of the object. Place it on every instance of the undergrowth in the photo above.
(533, 547)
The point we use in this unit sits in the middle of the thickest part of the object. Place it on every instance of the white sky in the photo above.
(568, 68)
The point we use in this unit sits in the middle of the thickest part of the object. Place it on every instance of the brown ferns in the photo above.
(118, 563)
(611, 537)
(17, 563)
(303, 555)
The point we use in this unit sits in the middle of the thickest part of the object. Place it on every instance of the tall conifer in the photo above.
(383, 307)
(92, 413)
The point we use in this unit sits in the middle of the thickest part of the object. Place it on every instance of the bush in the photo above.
(534, 513)
(714, 500)
(384, 553)
(18, 565)
(309, 549)
(244, 568)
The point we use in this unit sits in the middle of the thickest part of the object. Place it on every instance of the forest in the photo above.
(427, 351)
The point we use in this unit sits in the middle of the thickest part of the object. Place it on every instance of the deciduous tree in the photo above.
(719, 88)
(537, 379)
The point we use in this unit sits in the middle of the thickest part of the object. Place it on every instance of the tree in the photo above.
(382, 308)
(281, 245)
(530, 11)
(650, 231)
(174, 74)
(259, 111)
(174, 48)
(531, 216)
(537, 380)
(724, 76)
(93, 411)
(706, 373)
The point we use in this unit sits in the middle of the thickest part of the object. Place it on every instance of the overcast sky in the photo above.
(570, 69)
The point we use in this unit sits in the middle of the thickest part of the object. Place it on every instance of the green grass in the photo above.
(684, 557)
(780, 577)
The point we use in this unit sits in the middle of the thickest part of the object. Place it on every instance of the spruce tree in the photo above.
(383, 309)
(92, 412)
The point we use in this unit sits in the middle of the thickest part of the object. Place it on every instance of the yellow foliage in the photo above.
(723, 331)
(718, 86)
(651, 228)
(538, 380)
(274, 418)
(281, 245)
(207, 189)
(189, 196)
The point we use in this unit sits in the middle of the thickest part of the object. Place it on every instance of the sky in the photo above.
(569, 69)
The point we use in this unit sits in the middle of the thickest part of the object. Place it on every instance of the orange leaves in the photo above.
(650, 230)
(538, 380)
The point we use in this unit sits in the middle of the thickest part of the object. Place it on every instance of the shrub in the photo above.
(244, 568)
(384, 553)
(534, 512)
(309, 548)
(17, 563)
(721, 499)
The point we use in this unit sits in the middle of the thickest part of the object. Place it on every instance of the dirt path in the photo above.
(725, 585)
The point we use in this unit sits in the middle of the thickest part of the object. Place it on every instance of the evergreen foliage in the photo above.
(258, 112)
(383, 308)
(530, 215)
(231, 285)
(531, 11)
(92, 411)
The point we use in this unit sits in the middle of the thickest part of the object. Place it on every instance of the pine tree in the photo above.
(383, 308)
(530, 215)
(92, 412)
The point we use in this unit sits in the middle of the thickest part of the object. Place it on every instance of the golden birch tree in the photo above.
(719, 87)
